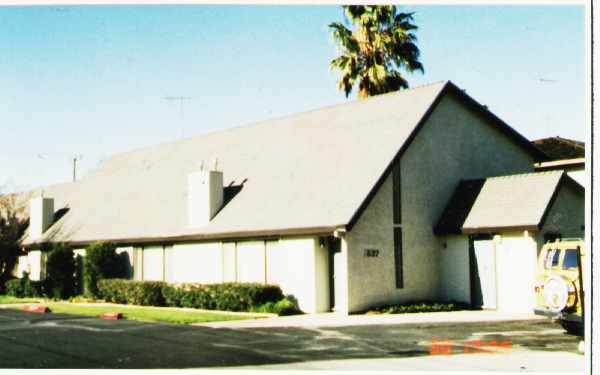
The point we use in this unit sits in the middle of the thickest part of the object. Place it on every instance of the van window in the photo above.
(552, 258)
(570, 259)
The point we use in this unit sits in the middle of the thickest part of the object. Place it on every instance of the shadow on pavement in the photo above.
(64, 341)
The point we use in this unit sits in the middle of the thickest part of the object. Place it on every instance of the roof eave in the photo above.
(497, 229)
(224, 236)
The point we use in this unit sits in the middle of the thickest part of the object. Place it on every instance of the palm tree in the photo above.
(381, 44)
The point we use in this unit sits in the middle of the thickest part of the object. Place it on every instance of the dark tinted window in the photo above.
(570, 260)
(555, 258)
(552, 257)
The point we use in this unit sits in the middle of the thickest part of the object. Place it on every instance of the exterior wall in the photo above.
(36, 265)
(22, 266)
(371, 280)
(455, 272)
(454, 144)
(298, 265)
(566, 215)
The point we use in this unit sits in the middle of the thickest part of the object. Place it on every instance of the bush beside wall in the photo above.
(24, 287)
(60, 272)
(101, 262)
(146, 293)
(226, 296)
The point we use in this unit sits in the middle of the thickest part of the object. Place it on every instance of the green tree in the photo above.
(60, 272)
(101, 262)
(373, 52)
(13, 225)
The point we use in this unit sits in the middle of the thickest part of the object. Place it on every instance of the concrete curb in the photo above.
(106, 304)
(412, 320)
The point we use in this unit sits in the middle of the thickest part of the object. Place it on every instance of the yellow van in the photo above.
(559, 283)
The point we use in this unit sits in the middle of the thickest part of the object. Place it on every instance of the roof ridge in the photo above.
(276, 118)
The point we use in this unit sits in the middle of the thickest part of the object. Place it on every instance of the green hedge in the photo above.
(101, 262)
(146, 293)
(24, 287)
(225, 296)
(421, 306)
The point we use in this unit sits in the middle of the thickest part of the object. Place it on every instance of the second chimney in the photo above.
(205, 196)
(41, 215)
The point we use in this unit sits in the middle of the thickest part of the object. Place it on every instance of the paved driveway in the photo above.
(60, 341)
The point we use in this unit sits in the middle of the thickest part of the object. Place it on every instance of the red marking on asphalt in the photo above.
(36, 309)
(111, 316)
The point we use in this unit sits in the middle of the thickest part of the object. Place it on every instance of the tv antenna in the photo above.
(76, 158)
(181, 100)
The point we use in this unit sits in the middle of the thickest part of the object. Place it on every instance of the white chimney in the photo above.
(205, 196)
(41, 215)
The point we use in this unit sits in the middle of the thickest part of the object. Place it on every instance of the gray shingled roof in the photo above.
(305, 171)
(500, 203)
(308, 173)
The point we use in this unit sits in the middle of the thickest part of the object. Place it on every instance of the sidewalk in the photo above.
(340, 320)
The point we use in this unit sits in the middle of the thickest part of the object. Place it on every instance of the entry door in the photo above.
(484, 274)
(334, 248)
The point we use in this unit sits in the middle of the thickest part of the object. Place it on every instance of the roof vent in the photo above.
(205, 195)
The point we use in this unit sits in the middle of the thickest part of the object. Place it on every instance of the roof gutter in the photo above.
(225, 236)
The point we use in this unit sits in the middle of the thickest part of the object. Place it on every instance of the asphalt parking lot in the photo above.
(64, 341)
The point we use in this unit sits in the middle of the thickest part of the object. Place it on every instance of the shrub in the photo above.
(282, 307)
(147, 293)
(423, 306)
(101, 262)
(14, 287)
(24, 287)
(60, 272)
(226, 296)
(78, 277)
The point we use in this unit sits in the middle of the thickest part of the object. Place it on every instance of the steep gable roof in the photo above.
(308, 173)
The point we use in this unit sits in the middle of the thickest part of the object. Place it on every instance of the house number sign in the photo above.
(371, 253)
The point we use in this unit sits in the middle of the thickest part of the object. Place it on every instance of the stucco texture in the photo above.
(455, 143)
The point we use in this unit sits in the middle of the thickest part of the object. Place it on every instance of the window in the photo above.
(552, 258)
(398, 257)
(570, 260)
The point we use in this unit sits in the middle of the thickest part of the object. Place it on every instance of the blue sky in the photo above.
(93, 80)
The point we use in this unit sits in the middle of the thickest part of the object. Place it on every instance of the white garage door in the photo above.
(153, 263)
(195, 263)
(251, 262)
(515, 258)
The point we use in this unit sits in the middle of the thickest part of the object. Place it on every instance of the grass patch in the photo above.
(147, 314)
(4, 299)
(421, 307)
(142, 313)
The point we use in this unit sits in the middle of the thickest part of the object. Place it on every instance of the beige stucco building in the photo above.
(345, 207)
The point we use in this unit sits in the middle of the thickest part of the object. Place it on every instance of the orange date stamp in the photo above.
(446, 347)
